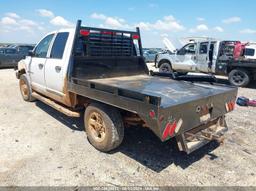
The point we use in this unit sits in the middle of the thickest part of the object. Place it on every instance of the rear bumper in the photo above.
(196, 116)
(176, 120)
(195, 138)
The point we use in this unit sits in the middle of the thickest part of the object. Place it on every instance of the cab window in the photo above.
(187, 49)
(249, 52)
(42, 48)
(59, 45)
(203, 48)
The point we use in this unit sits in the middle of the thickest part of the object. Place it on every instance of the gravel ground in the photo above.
(40, 146)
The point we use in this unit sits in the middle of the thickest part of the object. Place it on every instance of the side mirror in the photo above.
(31, 53)
(180, 52)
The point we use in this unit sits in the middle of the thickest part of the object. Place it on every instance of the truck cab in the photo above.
(48, 63)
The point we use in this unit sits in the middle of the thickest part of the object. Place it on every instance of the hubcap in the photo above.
(24, 88)
(97, 126)
(238, 77)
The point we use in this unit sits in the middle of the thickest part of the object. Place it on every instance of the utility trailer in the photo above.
(104, 73)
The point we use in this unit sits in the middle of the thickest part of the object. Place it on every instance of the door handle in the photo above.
(57, 69)
(40, 66)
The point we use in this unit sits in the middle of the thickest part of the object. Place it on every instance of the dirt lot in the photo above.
(40, 146)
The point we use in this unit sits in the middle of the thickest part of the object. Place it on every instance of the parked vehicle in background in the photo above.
(213, 57)
(150, 54)
(101, 71)
(24, 49)
(11, 55)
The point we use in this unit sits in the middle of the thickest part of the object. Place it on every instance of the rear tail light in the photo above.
(152, 114)
(84, 32)
(135, 37)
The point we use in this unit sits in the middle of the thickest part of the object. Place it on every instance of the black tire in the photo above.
(25, 89)
(113, 133)
(165, 67)
(239, 77)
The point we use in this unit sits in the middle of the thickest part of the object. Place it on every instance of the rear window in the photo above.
(109, 44)
(249, 52)
(59, 45)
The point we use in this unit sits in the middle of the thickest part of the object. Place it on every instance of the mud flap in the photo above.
(200, 136)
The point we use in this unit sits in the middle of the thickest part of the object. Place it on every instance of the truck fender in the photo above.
(23, 67)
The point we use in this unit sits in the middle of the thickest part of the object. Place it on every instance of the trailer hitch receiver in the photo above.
(193, 139)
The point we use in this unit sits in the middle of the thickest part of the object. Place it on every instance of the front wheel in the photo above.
(239, 77)
(165, 67)
(104, 126)
(25, 89)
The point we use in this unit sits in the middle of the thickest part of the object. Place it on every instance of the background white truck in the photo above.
(212, 57)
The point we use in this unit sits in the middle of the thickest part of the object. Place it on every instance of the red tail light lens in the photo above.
(135, 37)
(84, 32)
(152, 114)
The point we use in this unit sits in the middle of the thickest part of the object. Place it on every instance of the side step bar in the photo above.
(56, 106)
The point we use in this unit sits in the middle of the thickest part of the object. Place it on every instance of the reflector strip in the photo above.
(169, 130)
(172, 128)
(230, 106)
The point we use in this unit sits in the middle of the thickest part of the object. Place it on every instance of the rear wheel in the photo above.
(104, 126)
(165, 67)
(25, 89)
(239, 77)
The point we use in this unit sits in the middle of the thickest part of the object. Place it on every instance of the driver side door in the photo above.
(37, 64)
(202, 59)
(184, 58)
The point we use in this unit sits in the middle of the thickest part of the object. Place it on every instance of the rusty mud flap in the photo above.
(195, 138)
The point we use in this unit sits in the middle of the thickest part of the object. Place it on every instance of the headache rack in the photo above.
(100, 42)
(105, 53)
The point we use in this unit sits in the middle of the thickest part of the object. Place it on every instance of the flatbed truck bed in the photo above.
(166, 98)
